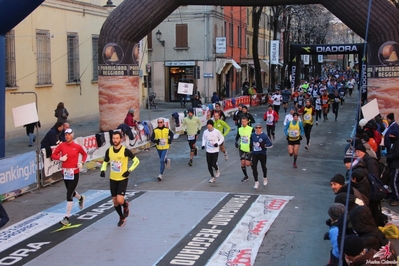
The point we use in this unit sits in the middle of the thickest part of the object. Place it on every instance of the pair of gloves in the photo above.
(214, 145)
(65, 157)
(198, 132)
(125, 174)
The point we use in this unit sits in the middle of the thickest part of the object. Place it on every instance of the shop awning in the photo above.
(224, 65)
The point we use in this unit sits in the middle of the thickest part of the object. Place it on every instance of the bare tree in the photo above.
(256, 16)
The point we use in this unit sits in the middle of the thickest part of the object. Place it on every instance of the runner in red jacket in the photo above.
(68, 153)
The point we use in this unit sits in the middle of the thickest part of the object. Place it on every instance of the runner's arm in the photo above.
(170, 136)
(226, 127)
(106, 161)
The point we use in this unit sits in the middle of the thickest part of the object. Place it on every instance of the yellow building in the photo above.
(54, 53)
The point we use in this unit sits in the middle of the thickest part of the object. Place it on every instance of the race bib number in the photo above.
(257, 146)
(209, 144)
(191, 137)
(116, 166)
(293, 133)
(162, 142)
(68, 173)
(307, 117)
(244, 140)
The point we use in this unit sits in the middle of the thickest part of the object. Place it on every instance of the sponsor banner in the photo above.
(119, 59)
(306, 60)
(274, 52)
(34, 246)
(242, 245)
(17, 172)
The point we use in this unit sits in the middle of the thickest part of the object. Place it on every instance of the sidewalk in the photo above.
(19, 145)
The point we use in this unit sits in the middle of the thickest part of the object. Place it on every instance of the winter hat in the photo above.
(68, 131)
(210, 122)
(336, 210)
(348, 158)
(363, 122)
(338, 178)
(360, 147)
(131, 111)
(391, 116)
(358, 174)
(353, 245)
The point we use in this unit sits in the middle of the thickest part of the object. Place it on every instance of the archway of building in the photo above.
(132, 20)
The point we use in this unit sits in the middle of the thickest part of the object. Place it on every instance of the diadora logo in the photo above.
(307, 49)
(66, 227)
(336, 48)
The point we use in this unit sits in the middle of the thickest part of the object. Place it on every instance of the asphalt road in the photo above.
(296, 237)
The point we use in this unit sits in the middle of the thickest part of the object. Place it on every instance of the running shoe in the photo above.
(265, 181)
(212, 180)
(295, 166)
(190, 163)
(121, 222)
(226, 156)
(167, 163)
(306, 147)
(317, 123)
(245, 179)
(159, 177)
(217, 173)
(65, 221)
(195, 151)
(394, 203)
(126, 209)
(81, 202)
(256, 185)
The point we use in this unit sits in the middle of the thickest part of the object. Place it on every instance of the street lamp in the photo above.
(159, 36)
(109, 6)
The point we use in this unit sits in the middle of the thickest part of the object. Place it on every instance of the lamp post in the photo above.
(109, 6)
(158, 35)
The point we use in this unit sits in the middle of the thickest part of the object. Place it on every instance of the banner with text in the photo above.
(274, 52)
(17, 172)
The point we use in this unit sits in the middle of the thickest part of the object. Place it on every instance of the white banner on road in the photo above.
(242, 245)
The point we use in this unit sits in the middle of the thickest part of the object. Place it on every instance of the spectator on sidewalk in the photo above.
(65, 126)
(30, 129)
(335, 211)
(392, 125)
(197, 103)
(61, 113)
(215, 98)
(52, 138)
(129, 119)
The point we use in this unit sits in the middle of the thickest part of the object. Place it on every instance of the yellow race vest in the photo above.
(119, 164)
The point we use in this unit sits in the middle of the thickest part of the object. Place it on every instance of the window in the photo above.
(73, 57)
(43, 57)
(239, 36)
(181, 36)
(94, 43)
(11, 79)
(231, 34)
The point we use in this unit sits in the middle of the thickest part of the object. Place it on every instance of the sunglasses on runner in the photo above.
(160, 122)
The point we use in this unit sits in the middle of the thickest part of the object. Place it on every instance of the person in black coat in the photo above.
(52, 138)
(364, 225)
(393, 164)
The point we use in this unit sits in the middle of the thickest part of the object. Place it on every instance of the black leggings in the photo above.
(270, 130)
(71, 186)
(308, 129)
(211, 159)
(262, 159)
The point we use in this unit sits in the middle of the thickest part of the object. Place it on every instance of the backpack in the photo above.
(377, 189)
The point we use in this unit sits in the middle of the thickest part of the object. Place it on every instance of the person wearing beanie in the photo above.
(237, 115)
(211, 140)
(192, 128)
(337, 182)
(360, 182)
(335, 211)
(392, 125)
(372, 164)
(246, 113)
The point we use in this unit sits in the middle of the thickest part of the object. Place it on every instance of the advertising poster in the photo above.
(383, 76)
